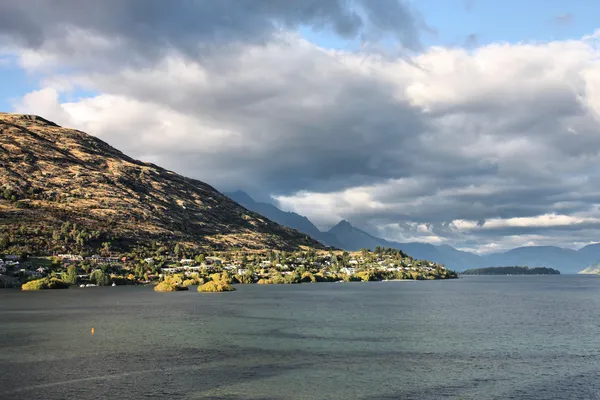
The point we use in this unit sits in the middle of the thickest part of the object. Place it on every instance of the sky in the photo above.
(472, 123)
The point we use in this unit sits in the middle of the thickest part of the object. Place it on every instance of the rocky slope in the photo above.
(63, 189)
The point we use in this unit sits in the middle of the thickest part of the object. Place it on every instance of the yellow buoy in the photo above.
(93, 330)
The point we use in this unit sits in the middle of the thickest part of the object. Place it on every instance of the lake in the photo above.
(478, 337)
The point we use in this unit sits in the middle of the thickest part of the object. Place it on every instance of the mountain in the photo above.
(537, 256)
(347, 237)
(289, 219)
(64, 190)
(354, 239)
(564, 260)
(590, 253)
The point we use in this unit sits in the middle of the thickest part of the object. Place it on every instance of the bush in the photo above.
(189, 282)
(264, 281)
(278, 279)
(308, 277)
(166, 286)
(294, 277)
(243, 278)
(45, 283)
(216, 286)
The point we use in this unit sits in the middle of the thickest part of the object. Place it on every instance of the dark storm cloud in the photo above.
(151, 26)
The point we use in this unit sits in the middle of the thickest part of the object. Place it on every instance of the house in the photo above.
(149, 260)
(186, 261)
(41, 270)
(12, 257)
(348, 271)
(70, 257)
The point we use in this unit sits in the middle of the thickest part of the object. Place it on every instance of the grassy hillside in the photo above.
(64, 190)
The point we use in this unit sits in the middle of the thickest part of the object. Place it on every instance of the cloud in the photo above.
(149, 29)
(473, 148)
(563, 19)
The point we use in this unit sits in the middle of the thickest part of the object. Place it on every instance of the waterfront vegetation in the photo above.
(178, 269)
(515, 270)
(216, 286)
(45, 283)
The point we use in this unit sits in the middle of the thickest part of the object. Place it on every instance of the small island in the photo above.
(515, 270)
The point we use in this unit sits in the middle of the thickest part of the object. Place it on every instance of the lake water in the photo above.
(497, 337)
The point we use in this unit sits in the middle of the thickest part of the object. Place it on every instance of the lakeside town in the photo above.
(180, 270)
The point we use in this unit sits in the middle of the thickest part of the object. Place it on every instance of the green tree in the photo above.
(99, 278)
(106, 249)
(71, 275)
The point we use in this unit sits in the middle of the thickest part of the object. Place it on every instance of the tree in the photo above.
(177, 250)
(139, 270)
(99, 278)
(4, 242)
(71, 275)
(106, 249)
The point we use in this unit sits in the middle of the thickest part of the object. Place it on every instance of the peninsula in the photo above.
(73, 209)
(511, 271)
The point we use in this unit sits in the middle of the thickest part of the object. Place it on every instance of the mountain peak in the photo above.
(240, 196)
(343, 225)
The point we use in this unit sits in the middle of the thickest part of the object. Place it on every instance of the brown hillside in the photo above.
(52, 177)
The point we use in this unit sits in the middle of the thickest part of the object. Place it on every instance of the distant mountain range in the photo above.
(347, 237)
(289, 219)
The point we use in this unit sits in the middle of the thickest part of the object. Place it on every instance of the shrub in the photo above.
(243, 278)
(166, 286)
(189, 282)
(308, 277)
(278, 279)
(45, 283)
(216, 286)
(292, 278)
